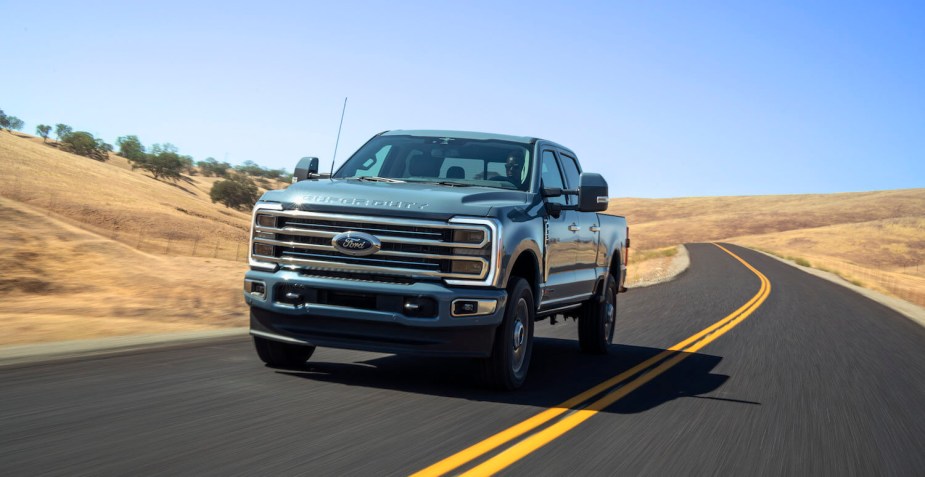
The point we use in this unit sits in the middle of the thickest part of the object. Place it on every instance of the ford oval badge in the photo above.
(357, 244)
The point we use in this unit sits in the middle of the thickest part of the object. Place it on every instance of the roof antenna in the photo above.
(338, 134)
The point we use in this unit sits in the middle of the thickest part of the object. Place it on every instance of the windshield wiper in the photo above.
(443, 183)
(453, 184)
(376, 179)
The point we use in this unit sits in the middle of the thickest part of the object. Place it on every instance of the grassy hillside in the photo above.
(61, 282)
(112, 200)
(873, 238)
(96, 249)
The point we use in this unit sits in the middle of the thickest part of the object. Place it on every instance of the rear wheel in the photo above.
(507, 367)
(282, 355)
(596, 323)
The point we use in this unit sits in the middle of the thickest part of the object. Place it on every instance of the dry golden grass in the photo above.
(649, 267)
(95, 249)
(875, 238)
(60, 282)
(111, 197)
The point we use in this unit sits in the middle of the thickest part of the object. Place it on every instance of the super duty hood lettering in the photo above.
(357, 202)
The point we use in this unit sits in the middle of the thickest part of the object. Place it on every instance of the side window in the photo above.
(571, 174)
(551, 175)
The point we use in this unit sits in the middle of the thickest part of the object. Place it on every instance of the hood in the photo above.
(411, 200)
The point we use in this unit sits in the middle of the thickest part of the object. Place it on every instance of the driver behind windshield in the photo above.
(514, 167)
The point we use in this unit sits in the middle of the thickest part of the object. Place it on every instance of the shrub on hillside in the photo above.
(11, 123)
(130, 147)
(84, 144)
(43, 130)
(238, 191)
(211, 167)
(165, 165)
(253, 169)
(62, 130)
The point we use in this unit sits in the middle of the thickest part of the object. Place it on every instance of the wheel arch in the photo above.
(527, 266)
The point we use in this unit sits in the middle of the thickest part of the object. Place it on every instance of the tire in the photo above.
(507, 367)
(596, 323)
(282, 355)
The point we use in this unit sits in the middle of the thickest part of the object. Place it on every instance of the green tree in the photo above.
(163, 165)
(62, 130)
(43, 130)
(14, 123)
(189, 166)
(211, 167)
(250, 168)
(4, 120)
(84, 144)
(131, 148)
(161, 148)
(238, 191)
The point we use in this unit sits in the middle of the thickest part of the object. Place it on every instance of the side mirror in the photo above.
(592, 193)
(306, 168)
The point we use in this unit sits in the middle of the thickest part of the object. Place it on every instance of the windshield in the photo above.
(442, 160)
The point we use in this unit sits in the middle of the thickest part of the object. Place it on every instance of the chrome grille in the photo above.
(410, 248)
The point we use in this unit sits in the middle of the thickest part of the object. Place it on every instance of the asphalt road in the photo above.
(816, 381)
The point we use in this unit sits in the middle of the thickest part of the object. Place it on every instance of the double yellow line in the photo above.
(583, 406)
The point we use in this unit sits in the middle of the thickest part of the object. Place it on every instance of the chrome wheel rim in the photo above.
(519, 336)
(610, 316)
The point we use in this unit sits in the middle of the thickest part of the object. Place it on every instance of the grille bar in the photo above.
(364, 228)
(362, 260)
(336, 266)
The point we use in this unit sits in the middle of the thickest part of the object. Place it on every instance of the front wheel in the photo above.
(596, 323)
(282, 355)
(507, 367)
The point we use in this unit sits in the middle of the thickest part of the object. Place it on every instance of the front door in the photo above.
(561, 238)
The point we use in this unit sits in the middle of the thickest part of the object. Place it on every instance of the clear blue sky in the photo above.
(666, 99)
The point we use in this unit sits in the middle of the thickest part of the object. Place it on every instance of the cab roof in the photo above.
(460, 134)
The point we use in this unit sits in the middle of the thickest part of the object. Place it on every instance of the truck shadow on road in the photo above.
(558, 372)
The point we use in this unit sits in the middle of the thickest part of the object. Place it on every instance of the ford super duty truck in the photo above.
(440, 243)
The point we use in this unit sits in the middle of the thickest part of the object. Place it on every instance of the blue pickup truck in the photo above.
(439, 243)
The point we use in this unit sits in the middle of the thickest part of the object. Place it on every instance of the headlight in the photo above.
(468, 236)
(264, 249)
(266, 221)
(467, 267)
(482, 235)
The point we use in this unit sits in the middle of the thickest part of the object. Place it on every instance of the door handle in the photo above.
(574, 228)
(595, 229)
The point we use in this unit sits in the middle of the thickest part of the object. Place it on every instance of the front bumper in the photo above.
(330, 316)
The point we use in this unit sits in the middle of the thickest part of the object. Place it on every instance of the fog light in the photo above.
(420, 307)
(474, 307)
(255, 288)
(264, 249)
